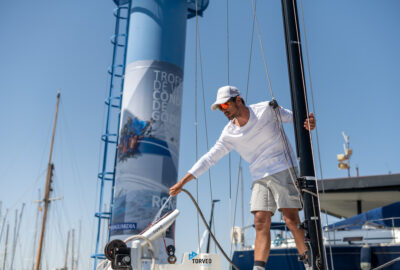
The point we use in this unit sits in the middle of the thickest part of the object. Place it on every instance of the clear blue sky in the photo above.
(50, 45)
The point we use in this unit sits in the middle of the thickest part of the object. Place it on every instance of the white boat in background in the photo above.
(368, 237)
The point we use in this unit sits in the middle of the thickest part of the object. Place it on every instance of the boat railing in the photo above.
(283, 238)
(367, 225)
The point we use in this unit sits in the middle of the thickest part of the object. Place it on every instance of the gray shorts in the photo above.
(275, 191)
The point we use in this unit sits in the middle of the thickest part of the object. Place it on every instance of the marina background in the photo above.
(64, 45)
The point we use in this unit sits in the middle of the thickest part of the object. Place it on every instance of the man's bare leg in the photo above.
(262, 244)
(292, 220)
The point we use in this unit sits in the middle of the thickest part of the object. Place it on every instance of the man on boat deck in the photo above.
(254, 133)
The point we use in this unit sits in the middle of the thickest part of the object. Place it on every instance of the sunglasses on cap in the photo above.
(226, 105)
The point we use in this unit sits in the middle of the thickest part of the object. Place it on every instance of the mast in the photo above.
(79, 244)
(36, 229)
(50, 167)
(307, 181)
(5, 247)
(66, 253)
(16, 234)
(73, 250)
(3, 224)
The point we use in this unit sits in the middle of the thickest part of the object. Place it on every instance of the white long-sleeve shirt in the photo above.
(258, 142)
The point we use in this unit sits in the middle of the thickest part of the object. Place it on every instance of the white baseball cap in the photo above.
(224, 94)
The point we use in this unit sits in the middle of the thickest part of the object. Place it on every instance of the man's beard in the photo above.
(231, 116)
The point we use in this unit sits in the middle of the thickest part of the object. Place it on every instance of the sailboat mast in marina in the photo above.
(46, 199)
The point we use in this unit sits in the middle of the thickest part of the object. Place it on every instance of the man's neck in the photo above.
(243, 117)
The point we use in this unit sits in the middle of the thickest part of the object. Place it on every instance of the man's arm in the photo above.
(220, 149)
(175, 189)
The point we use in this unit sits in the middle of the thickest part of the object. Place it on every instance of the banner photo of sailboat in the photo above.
(148, 147)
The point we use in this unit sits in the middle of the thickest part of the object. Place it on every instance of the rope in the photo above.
(277, 113)
(283, 136)
(307, 111)
(262, 50)
(228, 82)
(316, 127)
(227, 39)
(209, 230)
(251, 52)
(286, 148)
(387, 264)
(246, 97)
(205, 122)
(195, 117)
(236, 199)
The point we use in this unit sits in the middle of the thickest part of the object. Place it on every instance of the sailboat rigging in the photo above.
(307, 181)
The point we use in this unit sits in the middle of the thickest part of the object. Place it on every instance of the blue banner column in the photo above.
(148, 146)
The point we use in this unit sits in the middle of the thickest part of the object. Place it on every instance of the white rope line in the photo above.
(309, 192)
(227, 41)
(316, 127)
(251, 52)
(206, 127)
(240, 158)
(285, 148)
(262, 50)
(196, 121)
(271, 90)
(316, 228)
(236, 198)
(307, 111)
(229, 155)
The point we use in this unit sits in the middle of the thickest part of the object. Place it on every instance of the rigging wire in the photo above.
(77, 179)
(310, 135)
(228, 83)
(205, 124)
(282, 134)
(28, 189)
(251, 53)
(262, 50)
(246, 97)
(283, 137)
(287, 150)
(316, 127)
(195, 119)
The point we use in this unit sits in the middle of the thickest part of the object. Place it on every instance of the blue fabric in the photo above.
(386, 216)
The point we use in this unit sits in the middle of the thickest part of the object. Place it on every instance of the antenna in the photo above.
(344, 159)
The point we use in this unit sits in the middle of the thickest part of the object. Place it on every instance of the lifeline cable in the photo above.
(209, 230)
(387, 264)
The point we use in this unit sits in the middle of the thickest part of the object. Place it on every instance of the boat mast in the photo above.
(5, 247)
(73, 250)
(36, 230)
(66, 253)
(50, 167)
(307, 181)
(16, 233)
